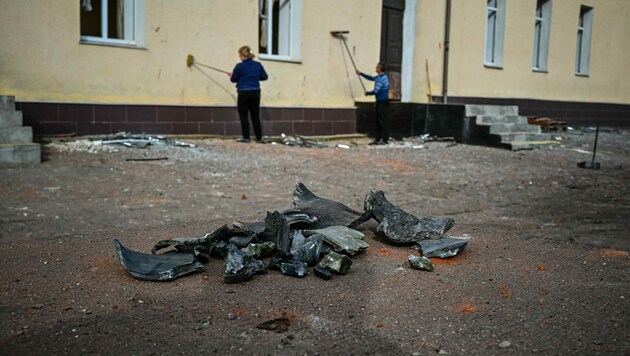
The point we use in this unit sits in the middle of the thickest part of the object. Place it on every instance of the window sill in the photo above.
(108, 44)
(538, 70)
(268, 57)
(493, 66)
(581, 75)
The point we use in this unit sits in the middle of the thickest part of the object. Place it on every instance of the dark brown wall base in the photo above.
(93, 119)
(576, 113)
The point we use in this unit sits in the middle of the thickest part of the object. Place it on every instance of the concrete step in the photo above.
(7, 102)
(20, 153)
(507, 137)
(505, 119)
(529, 145)
(498, 110)
(10, 118)
(20, 134)
(499, 128)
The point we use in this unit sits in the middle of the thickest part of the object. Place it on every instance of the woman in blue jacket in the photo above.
(247, 76)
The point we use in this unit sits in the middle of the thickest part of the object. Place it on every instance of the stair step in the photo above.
(508, 137)
(529, 145)
(7, 102)
(499, 110)
(505, 119)
(21, 134)
(20, 153)
(10, 118)
(499, 128)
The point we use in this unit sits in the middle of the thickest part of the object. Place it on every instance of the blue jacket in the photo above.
(381, 86)
(247, 75)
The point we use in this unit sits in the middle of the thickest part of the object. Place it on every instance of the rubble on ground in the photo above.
(316, 232)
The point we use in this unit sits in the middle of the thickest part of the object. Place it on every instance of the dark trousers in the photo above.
(249, 105)
(382, 120)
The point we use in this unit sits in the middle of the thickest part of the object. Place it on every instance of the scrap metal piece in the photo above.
(306, 249)
(336, 262)
(400, 226)
(342, 239)
(442, 248)
(420, 262)
(260, 250)
(292, 267)
(328, 212)
(323, 273)
(192, 244)
(277, 229)
(240, 267)
(149, 267)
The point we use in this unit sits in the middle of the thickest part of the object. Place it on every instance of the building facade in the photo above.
(103, 66)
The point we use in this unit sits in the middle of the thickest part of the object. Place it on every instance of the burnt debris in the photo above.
(316, 233)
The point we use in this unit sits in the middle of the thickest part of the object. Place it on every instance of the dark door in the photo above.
(391, 43)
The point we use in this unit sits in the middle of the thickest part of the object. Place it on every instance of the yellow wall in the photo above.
(42, 59)
(609, 56)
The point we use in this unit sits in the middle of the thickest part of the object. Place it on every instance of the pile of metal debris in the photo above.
(315, 233)
(142, 141)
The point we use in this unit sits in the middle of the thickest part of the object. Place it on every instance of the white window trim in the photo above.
(134, 26)
(498, 35)
(540, 54)
(295, 33)
(583, 45)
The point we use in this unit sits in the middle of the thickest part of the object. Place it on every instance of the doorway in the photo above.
(392, 43)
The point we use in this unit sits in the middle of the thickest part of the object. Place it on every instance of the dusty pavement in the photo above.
(547, 268)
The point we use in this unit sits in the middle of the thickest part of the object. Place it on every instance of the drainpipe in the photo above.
(447, 35)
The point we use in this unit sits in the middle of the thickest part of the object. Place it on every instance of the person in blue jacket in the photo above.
(247, 76)
(381, 92)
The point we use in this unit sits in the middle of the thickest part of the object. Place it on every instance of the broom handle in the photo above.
(207, 66)
(352, 60)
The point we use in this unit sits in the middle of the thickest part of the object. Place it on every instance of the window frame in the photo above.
(134, 20)
(294, 25)
(583, 45)
(495, 33)
(542, 31)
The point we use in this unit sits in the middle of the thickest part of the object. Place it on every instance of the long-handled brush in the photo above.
(190, 61)
(340, 35)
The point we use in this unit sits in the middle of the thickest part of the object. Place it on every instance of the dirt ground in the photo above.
(546, 269)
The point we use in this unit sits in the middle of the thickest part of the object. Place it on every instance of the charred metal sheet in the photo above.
(191, 244)
(420, 262)
(149, 267)
(336, 262)
(277, 229)
(240, 267)
(328, 212)
(400, 226)
(442, 248)
(342, 239)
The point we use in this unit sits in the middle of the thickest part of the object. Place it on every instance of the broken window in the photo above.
(495, 28)
(542, 27)
(279, 24)
(116, 22)
(582, 52)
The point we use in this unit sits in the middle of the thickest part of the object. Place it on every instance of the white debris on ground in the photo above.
(82, 146)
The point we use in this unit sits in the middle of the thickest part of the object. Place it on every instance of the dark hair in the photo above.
(383, 66)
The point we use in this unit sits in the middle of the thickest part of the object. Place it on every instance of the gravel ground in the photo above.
(546, 269)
